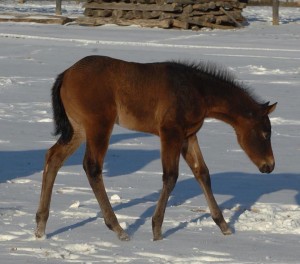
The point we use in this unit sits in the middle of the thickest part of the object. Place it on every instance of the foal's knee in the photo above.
(91, 167)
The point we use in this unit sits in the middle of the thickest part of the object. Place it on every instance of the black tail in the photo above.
(62, 124)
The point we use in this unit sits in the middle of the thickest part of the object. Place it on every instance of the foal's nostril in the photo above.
(267, 168)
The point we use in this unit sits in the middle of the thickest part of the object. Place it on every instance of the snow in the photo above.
(263, 210)
(42, 7)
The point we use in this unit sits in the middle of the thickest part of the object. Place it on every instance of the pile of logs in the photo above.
(184, 14)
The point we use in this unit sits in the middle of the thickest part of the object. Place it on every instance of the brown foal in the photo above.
(168, 99)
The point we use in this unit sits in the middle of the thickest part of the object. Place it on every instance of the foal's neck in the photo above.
(221, 112)
(226, 107)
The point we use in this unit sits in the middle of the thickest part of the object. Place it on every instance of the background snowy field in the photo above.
(263, 210)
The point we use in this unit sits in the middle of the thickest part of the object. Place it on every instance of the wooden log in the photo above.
(235, 13)
(141, 7)
(102, 13)
(155, 14)
(88, 12)
(203, 19)
(241, 5)
(129, 15)
(143, 1)
(91, 21)
(201, 13)
(109, 1)
(230, 17)
(97, 13)
(137, 14)
(118, 14)
(187, 2)
(210, 18)
(207, 24)
(205, 7)
(187, 9)
(180, 24)
(225, 4)
(151, 14)
(191, 2)
(223, 19)
(148, 23)
(201, 7)
(211, 5)
(165, 15)
(146, 14)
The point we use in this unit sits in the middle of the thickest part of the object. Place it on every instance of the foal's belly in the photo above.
(137, 123)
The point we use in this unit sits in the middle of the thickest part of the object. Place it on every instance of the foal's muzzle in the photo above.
(267, 167)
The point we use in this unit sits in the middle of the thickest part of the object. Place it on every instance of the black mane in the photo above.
(218, 73)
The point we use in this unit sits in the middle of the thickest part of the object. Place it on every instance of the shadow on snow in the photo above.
(18, 164)
(244, 189)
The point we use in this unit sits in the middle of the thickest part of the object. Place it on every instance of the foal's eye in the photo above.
(266, 135)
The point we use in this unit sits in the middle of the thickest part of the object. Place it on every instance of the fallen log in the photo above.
(93, 21)
(142, 7)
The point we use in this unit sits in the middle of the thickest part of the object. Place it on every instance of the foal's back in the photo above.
(137, 96)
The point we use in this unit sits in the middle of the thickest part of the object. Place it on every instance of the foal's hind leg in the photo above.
(171, 142)
(193, 156)
(55, 157)
(97, 144)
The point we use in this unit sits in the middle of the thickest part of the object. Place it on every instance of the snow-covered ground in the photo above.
(46, 7)
(264, 210)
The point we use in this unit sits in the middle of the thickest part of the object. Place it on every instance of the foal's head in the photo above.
(254, 136)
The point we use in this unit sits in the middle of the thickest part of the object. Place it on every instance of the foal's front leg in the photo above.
(171, 143)
(193, 156)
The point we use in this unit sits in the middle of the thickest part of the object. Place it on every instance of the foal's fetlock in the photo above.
(157, 237)
(156, 232)
(40, 230)
(226, 230)
(39, 233)
(123, 236)
(41, 224)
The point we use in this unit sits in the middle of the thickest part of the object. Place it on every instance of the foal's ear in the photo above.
(268, 109)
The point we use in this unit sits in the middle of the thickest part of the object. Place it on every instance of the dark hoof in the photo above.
(124, 237)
